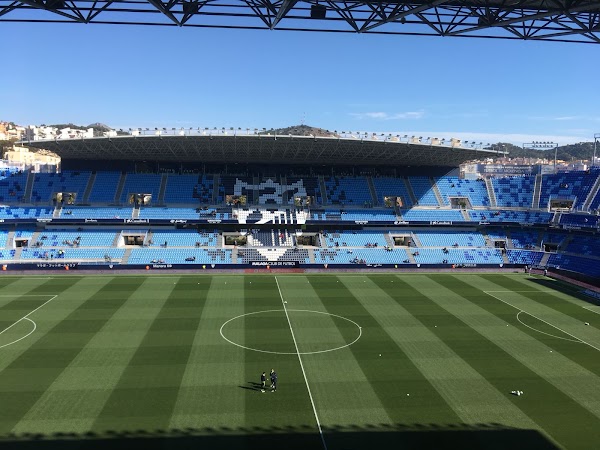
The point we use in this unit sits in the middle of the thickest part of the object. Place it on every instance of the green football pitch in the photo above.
(363, 361)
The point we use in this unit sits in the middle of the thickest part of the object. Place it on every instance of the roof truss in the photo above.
(548, 20)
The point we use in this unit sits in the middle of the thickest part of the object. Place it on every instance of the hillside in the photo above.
(301, 130)
(571, 152)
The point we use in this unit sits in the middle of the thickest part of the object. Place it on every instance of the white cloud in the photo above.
(565, 118)
(386, 116)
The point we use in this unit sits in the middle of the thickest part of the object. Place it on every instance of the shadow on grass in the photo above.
(373, 436)
(565, 288)
(252, 386)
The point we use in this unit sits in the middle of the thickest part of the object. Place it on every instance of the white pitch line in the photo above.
(302, 367)
(582, 306)
(28, 314)
(560, 329)
(290, 353)
(543, 332)
(536, 290)
(23, 337)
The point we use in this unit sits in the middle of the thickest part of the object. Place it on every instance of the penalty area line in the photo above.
(302, 367)
(542, 320)
(25, 317)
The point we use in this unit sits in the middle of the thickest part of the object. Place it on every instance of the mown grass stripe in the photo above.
(394, 374)
(570, 292)
(288, 408)
(467, 392)
(350, 398)
(74, 399)
(497, 366)
(208, 395)
(581, 354)
(52, 362)
(552, 300)
(549, 398)
(147, 401)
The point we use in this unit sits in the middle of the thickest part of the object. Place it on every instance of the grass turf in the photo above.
(116, 362)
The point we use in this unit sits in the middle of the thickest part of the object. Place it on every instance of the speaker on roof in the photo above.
(318, 11)
(55, 4)
(190, 7)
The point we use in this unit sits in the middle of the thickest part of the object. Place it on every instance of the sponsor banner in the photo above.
(254, 265)
(593, 294)
(274, 263)
(500, 169)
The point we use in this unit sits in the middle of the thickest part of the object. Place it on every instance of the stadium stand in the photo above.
(183, 238)
(184, 189)
(25, 213)
(392, 187)
(105, 187)
(141, 183)
(348, 191)
(574, 263)
(474, 190)
(46, 184)
(524, 257)
(74, 238)
(89, 212)
(566, 186)
(450, 238)
(585, 246)
(580, 220)
(12, 187)
(355, 239)
(514, 192)
(353, 228)
(423, 190)
(428, 215)
(179, 256)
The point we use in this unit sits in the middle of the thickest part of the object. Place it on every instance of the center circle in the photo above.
(283, 311)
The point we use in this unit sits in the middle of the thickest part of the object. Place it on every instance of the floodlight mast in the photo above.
(596, 137)
(544, 146)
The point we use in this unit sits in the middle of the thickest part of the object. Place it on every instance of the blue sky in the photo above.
(128, 76)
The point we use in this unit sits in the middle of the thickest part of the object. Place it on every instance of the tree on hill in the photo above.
(571, 152)
(300, 130)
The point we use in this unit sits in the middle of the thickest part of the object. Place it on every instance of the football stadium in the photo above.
(152, 286)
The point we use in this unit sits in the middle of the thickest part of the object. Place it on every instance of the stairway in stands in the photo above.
(163, 188)
(545, 258)
(591, 195)
(215, 188)
(126, 256)
(436, 191)
(28, 187)
(323, 190)
(372, 191)
(88, 188)
(537, 190)
(411, 193)
(491, 193)
(120, 187)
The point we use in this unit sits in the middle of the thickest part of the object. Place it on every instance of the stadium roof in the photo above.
(262, 149)
(553, 20)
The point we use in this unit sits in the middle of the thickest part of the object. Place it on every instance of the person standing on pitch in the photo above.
(263, 381)
(273, 380)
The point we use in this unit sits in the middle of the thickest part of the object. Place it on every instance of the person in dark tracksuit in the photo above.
(273, 380)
